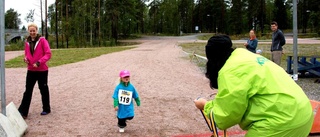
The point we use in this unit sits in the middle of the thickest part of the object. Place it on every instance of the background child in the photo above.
(122, 99)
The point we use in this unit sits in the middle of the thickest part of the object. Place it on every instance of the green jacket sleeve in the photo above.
(137, 101)
(230, 104)
(115, 102)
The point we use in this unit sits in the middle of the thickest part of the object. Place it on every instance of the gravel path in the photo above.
(12, 54)
(81, 94)
(81, 101)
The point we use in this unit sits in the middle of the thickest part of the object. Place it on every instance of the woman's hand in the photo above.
(200, 103)
(26, 60)
(245, 44)
(35, 65)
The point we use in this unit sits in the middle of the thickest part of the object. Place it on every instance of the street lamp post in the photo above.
(208, 26)
(129, 26)
(2, 60)
(295, 41)
(306, 20)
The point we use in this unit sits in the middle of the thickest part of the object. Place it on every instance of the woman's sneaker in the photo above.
(121, 130)
(44, 113)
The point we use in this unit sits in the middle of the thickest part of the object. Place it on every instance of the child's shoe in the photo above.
(121, 130)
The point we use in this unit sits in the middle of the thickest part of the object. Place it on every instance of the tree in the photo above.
(141, 15)
(280, 14)
(262, 15)
(153, 15)
(51, 18)
(210, 15)
(314, 15)
(256, 15)
(314, 18)
(304, 12)
(30, 16)
(122, 14)
(236, 17)
(46, 19)
(197, 13)
(95, 22)
(12, 20)
(219, 16)
(168, 19)
(186, 12)
(99, 22)
(269, 12)
(23, 28)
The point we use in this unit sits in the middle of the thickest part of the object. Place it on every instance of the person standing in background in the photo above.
(278, 41)
(252, 43)
(37, 53)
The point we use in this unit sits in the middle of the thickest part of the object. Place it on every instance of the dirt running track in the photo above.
(81, 101)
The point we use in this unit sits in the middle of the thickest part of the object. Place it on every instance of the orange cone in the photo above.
(316, 122)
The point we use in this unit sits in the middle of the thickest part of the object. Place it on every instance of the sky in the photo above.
(23, 7)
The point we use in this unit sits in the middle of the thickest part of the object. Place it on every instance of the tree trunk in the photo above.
(114, 29)
(46, 18)
(57, 39)
(61, 26)
(99, 25)
(90, 24)
(41, 17)
(67, 21)
(262, 16)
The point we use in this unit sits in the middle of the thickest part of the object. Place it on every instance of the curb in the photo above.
(12, 125)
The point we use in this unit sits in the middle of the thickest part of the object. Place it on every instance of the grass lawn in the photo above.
(236, 37)
(205, 36)
(66, 56)
(266, 36)
(303, 50)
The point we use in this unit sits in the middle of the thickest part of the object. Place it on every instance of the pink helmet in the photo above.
(124, 73)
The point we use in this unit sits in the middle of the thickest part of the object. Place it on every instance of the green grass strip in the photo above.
(303, 50)
(67, 56)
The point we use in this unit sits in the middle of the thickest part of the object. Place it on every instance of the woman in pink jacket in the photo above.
(37, 53)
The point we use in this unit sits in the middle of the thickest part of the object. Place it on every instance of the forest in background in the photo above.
(104, 22)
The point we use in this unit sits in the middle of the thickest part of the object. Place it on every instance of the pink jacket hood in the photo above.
(42, 54)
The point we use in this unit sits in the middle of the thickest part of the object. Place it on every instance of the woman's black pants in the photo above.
(32, 78)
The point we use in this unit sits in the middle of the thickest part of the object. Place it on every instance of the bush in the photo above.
(15, 46)
(205, 37)
(239, 36)
(308, 35)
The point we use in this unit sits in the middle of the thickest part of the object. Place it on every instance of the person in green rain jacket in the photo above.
(253, 92)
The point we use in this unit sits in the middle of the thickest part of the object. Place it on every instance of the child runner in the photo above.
(122, 99)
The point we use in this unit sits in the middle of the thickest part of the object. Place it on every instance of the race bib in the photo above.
(124, 97)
